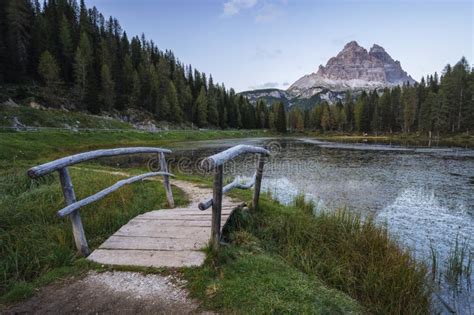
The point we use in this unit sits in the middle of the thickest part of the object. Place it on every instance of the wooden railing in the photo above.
(73, 206)
(216, 164)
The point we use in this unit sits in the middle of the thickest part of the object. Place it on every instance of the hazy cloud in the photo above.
(263, 53)
(233, 7)
(269, 12)
(268, 85)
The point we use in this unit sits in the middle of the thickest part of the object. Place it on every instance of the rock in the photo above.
(354, 68)
(35, 105)
(11, 103)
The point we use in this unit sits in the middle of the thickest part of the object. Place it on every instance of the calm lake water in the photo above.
(424, 195)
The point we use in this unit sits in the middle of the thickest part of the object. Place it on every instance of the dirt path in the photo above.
(118, 292)
(111, 293)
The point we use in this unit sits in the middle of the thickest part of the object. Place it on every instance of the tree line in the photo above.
(436, 104)
(79, 56)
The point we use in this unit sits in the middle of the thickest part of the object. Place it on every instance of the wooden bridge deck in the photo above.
(165, 238)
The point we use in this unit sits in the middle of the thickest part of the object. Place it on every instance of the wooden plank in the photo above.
(149, 228)
(101, 194)
(147, 258)
(70, 198)
(152, 243)
(52, 166)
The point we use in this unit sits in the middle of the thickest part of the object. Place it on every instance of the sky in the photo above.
(252, 44)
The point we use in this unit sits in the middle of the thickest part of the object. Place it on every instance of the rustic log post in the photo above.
(216, 208)
(166, 180)
(258, 180)
(70, 197)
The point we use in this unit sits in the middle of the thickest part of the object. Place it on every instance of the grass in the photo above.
(335, 251)
(54, 118)
(241, 282)
(35, 242)
(45, 145)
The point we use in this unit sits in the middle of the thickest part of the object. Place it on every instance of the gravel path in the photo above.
(111, 293)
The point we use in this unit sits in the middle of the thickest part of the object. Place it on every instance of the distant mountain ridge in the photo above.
(352, 69)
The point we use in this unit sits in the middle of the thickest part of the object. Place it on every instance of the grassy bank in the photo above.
(332, 253)
(35, 241)
(29, 147)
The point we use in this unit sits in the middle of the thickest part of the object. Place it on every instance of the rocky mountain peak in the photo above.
(353, 68)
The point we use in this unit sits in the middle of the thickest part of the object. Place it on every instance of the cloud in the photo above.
(233, 7)
(269, 12)
(262, 53)
(268, 85)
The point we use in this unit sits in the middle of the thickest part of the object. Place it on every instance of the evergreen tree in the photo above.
(107, 95)
(201, 105)
(48, 69)
(19, 14)
(82, 66)
(175, 109)
(280, 117)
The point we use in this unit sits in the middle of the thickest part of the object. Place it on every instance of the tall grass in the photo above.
(350, 254)
(34, 240)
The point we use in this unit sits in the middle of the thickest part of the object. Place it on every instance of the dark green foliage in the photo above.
(102, 70)
(432, 106)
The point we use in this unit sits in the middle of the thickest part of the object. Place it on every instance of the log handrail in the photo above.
(101, 194)
(220, 158)
(73, 206)
(215, 163)
(235, 184)
(55, 165)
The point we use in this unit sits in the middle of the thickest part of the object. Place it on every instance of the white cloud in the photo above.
(268, 85)
(269, 12)
(233, 7)
(263, 53)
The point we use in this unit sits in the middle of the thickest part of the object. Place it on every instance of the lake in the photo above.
(425, 195)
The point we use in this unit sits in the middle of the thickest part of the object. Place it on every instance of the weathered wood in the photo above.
(220, 158)
(101, 194)
(166, 180)
(258, 181)
(70, 197)
(52, 166)
(216, 208)
(235, 184)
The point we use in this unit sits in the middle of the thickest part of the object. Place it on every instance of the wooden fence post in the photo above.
(70, 197)
(166, 180)
(216, 208)
(258, 180)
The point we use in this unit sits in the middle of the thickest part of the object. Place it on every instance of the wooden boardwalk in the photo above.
(167, 237)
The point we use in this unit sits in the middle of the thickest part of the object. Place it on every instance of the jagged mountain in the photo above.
(353, 69)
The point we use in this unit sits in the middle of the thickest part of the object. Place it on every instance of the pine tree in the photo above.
(325, 117)
(67, 51)
(280, 117)
(409, 102)
(19, 15)
(82, 66)
(48, 69)
(212, 114)
(201, 106)
(107, 95)
(175, 109)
